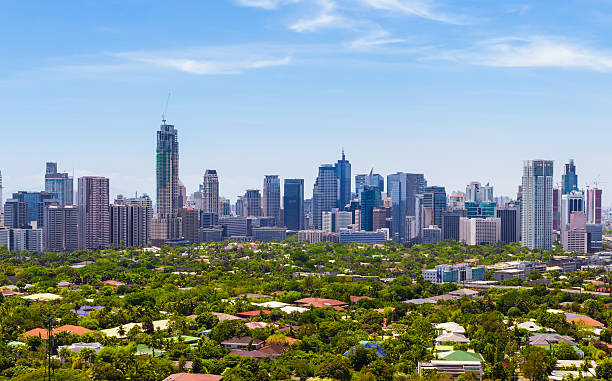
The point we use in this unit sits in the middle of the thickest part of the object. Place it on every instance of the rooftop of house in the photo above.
(193, 377)
(244, 340)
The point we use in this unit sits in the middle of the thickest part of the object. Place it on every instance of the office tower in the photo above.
(16, 214)
(251, 203)
(336, 220)
(510, 223)
(370, 198)
(35, 202)
(575, 238)
(595, 237)
(190, 218)
(239, 207)
(308, 214)
(475, 192)
(557, 209)
(208, 220)
(536, 204)
(456, 201)
(343, 174)
(450, 223)
(60, 184)
(165, 226)
(143, 235)
(381, 218)
(324, 193)
(480, 231)
(571, 202)
(210, 191)
(225, 206)
(182, 198)
(435, 199)
(271, 198)
(60, 232)
(293, 204)
(25, 239)
(372, 179)
(404, 189)
(569, 177)
(432, 234)
(94, 213)
(593, 206)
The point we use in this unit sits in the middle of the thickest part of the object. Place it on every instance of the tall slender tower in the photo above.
(343, 173)
(1, 199)
(59, 183)
(537, 204)
(210, 192)
(293, 204)
(569, 177)
(166, 225)
(324, 193)
(94, 214)
(271, 198)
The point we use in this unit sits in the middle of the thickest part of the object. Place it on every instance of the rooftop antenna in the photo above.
(165, 109)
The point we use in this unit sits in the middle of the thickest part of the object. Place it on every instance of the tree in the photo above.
(604, 369)
(381, 369)
(361, 357)
(564, 351)
(335, 367)
(207, 320)
(537, 364)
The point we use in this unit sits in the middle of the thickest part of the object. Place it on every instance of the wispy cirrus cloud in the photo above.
(425, 9)
(532, 51)
(325, 18)
(203, 66)
(265, 4)
(377, 37)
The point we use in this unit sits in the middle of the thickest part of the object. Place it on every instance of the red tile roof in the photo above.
(113, 283)
(193, 377)
(321, 302)
(248, 314)
(72, 329)
(355, 299)
(586, 321)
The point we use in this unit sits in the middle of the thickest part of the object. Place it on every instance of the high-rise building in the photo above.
(1, 199)
(182, 198)
(432, 234)
(456, 201)
(569, 177)
(190, 219)
(372, 179)
(450, 223)
(130, 221)
(16, 214)
(435, 198)
(252, 203)
(60, 184)
(370, 198)
(336, 220)
(343, 174)
(593, 206)
(165, 225)
(381, 218)
(575, 238)
(404, 189)
(22, 239)
(556, 209)
(225, 207)
(475, 192)
(60, 231)
(324, 194)
(35, 203)
(510, 223)
(271, 198)
(293, 204)
(480, 231)
(210, 191)
(94, 213)
(536, 204)
(571, 202)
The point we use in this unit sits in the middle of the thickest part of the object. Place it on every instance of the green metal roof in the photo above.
(460, 356)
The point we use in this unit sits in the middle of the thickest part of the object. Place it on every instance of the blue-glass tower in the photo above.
(569, 177)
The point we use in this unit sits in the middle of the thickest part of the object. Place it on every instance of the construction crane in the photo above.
(166, 108)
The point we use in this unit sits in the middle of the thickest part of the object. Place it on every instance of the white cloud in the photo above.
(325, 18)
(265, 4)
(421, 8)
(206, 67)
(533, 51)
(375, 38)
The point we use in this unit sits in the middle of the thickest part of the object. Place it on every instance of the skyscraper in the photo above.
(510, 223)
(293, 204)
(536, 204)
(59, 183)
(343, 173)
(166, 225)
(210, 192)
(1, 201)
(571, 202)
(271, 198)
(130, 221)
(404, 189)
(60, 231)
(94, 213)
(251, 202)
(16, 214)
(569, 177)
(372, 179)
(370, 198)
(324, 193)
(593, 206)
(435, 198)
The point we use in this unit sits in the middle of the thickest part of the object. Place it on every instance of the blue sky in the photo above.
(458, 90)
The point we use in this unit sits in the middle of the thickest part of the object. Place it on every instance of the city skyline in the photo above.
(331, 74)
